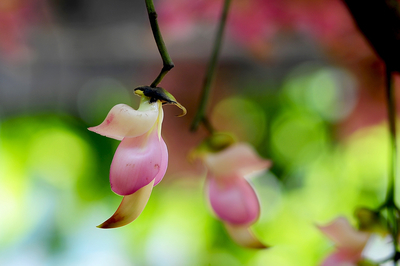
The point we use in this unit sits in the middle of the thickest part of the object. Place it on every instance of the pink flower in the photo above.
(348, 241)
(141, 159)
(231, 196)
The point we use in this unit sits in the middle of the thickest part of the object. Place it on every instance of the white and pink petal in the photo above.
(238, 158)
(137, 162)
(341, 258)
(344, 235)
(164, 163)
(124, 121)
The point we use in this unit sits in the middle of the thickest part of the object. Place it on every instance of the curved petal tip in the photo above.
(130, 208)
(244, 237)
(180, 106)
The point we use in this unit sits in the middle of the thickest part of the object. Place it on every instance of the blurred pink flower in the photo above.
(349, 243)
(232, 197)
(16, 18)
(141, 159)
(255, 23)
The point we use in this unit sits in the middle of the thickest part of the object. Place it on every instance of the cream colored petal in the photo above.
(130, 208)
(238, 158)
(160, 119)
(244, 237)
(124, 121)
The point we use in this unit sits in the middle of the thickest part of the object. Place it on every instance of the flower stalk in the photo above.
(391, 105)
(167, 61)
(390, 204)
(205, 94)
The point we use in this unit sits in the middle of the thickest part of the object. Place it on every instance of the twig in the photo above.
(200, 115)
(167, 61)
(379, 21)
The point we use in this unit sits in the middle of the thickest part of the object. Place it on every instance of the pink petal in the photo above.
(238, 158)
(342, 258)
(244, 237)
(164, 163)
(130, 208)
(124, 121)
(233, 200)
(137, 162)
(344, 235)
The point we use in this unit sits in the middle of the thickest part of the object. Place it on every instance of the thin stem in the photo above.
(382, 32)
(167, 61)
(208, 125)
(391, 105)
(200, 115)
(390, 197)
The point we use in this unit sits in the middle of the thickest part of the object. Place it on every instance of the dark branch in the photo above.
(208, 79)
(379, 21)
(167, 62)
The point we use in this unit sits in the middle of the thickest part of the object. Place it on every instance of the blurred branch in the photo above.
(200, 115)
(379, 21)
(391, 110)
(167, 61)
(390, 202)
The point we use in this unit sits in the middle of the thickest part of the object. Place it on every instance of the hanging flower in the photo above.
(141, 159)
(349, 243)
(371, 244)
(231, 196)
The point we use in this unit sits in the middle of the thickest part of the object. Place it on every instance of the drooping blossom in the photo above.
(349, 243)
(141, 159)
(231, 196)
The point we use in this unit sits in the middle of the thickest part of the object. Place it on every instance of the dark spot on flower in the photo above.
(157, 166)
